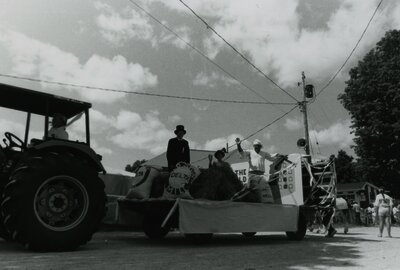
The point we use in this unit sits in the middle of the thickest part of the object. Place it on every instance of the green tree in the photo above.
(346, 168)
(372, 96)
(135, 166)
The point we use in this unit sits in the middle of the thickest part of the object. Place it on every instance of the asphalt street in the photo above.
(359, 249)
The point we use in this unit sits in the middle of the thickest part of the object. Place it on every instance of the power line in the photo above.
(141, 93)
(198, 51)
(254, 133)
(237, 51)
(352, 51)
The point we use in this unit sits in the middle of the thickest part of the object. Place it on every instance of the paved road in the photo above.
(360, 249)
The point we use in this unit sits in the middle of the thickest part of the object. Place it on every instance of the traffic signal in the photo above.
(309, 91)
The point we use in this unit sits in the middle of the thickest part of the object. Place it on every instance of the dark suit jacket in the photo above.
(178, 150)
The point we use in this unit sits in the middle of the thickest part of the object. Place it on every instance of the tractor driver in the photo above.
(59, 125)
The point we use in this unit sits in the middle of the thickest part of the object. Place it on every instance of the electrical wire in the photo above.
(237, 51)
(254, 133)
(352, 51)
(140, 93)
(198, 51)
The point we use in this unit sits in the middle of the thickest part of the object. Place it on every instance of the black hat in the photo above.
(180, 128)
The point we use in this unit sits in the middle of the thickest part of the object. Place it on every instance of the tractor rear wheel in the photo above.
(55, 203)
(4, 233)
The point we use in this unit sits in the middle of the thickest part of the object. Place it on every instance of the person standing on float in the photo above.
(178, 148)
(256, 159)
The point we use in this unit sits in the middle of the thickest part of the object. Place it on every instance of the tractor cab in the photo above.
(51, 195)
(43, 104)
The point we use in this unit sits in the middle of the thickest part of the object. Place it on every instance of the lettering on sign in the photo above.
(242, 175)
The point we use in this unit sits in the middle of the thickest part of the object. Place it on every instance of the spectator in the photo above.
(396, 213)
(357, 210)
(370, 214)
(342, 210)
(383, 208)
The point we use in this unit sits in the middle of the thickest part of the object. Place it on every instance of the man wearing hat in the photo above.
(178, 148)
(256, 159)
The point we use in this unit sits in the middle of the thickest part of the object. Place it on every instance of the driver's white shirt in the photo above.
(58, 133)
(256, 160)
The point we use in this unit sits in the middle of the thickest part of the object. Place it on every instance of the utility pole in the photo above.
(303, 109)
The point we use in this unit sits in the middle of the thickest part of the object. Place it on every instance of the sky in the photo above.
(114, 44)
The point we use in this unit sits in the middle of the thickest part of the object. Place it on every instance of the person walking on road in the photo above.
(357, 210)
(342, 209)
(178, 148)
(383, 208)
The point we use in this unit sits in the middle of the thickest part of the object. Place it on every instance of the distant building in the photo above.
(361, 192)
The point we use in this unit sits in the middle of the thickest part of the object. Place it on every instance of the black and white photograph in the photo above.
(200, 134)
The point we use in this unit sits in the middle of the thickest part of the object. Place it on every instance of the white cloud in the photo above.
(144, 133)
(292, 124)
(119, 28)
(47, 62)
(169, 38)
(100, 149)
(211, 80)
(174, 119)
(99, 123)
(337, 134)
(221, 142)
(269, 33)
(267, 135)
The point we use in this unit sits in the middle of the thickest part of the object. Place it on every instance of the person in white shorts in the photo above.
(383, 208)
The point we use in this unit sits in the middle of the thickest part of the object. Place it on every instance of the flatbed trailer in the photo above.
(204, 218)
(294, 206)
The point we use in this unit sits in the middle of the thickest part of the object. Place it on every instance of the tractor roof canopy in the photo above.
(36, 102)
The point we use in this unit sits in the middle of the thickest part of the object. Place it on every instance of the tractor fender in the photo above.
(76, 147)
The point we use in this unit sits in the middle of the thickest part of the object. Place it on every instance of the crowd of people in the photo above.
(382, 213)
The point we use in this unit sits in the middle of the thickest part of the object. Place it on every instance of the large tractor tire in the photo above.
(54, 202)
(3, 232)
(301, 229)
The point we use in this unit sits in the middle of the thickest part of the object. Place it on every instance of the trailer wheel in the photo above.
(301, 229)
(199, 238)
(249, 234)
(56, 203)
(152, 228)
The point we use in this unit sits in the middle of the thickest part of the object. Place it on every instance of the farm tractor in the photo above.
(51, 197)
